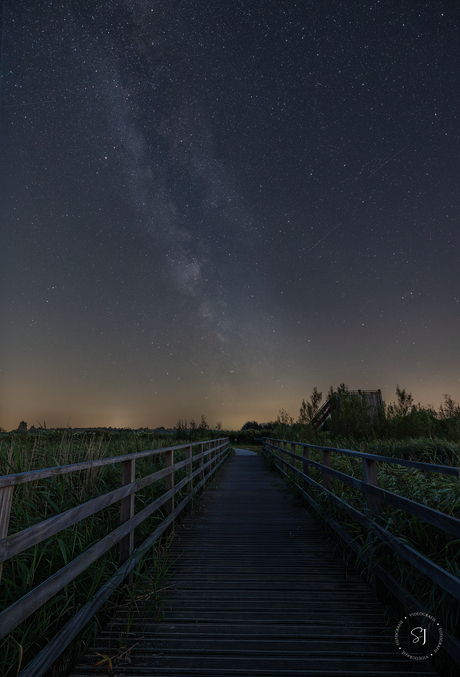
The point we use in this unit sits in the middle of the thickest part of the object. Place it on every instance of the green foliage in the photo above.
(432, 489)
(34, 502)
(308, 410)
(352, 417)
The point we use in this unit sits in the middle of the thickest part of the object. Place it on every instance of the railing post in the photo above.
(189, 457)
(6, 501)
(169, 484)
(293, 460)
(370, 477)
(212, 455)
(306, 467)
(327, 479)
(208, 458)
(285, 456)
(200, 461)
(128, 476)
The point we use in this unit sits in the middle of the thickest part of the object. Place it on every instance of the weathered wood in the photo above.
(410, 603)
(61, 641)
(438, 575)
(428, 467)
(6, 500)
(15, 544)
(128, 476)
(434, 517)
(200, 462)
(35, 475)
(294, 456)
(327, 480)
(255, 590)
(189, 459)
(305, 466)
(169, 484)
(431, 515)
(23, 607)
(370, 477)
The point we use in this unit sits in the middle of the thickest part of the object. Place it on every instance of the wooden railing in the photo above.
(286, 459)
(209, 456)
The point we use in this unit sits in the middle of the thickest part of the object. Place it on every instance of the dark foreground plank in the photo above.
(255, 591)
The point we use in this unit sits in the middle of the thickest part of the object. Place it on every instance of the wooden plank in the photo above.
(294, 456)
(128, 476)
(370, 477)
(256, 591)
(327, 481)
(61, 641)
(15, 544)
(436, 573)
(188, 456)
(431, 515)
(34, 475)
(200, 462)
(305, 466)
(6, 500)
(429, 467)
(451, 644)
(169, 486)
(23, 607)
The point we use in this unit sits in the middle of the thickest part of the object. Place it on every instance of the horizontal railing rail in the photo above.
(210, 456)
(285, 451)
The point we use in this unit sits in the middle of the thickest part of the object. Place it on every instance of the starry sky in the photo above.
(212, 207)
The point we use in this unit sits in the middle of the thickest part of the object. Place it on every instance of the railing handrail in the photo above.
(214, 451)
(429, 467)
(374, 495)
(43, 473)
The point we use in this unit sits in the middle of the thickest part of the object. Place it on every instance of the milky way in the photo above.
(212, 207)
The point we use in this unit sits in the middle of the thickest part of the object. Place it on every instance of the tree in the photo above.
(204, 425)
(219, 425)
(250, 425)
(308, 410)
(284, 418)
(450, 408)
(181, 429)
(403, 406)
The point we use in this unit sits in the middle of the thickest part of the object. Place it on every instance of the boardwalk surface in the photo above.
(256, 591)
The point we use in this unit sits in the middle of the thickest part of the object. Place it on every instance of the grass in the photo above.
(34, 502)
(440, 492)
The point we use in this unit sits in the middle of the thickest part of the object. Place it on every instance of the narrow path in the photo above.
(256, 591)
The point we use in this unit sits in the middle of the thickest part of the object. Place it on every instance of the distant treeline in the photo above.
(352, 418)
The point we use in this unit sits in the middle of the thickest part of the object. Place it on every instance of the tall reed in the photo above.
(36, 501)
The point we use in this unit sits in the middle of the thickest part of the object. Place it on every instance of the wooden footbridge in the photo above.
(255, 588)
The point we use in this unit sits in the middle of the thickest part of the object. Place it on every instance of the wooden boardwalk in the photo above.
(255, 591)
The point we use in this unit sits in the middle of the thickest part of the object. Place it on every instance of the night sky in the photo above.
(212, 207)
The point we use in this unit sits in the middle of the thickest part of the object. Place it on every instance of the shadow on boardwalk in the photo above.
(256, 591)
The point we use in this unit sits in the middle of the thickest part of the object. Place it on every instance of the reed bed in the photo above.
(34, 502)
